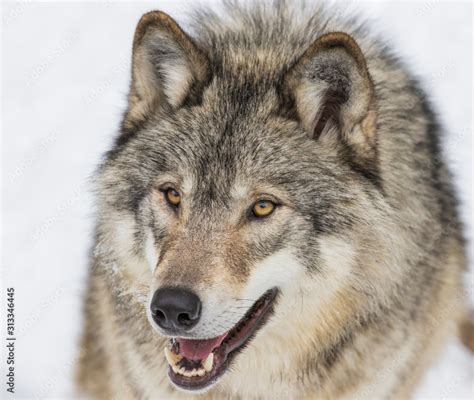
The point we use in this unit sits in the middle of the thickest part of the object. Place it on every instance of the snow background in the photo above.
(65, 75)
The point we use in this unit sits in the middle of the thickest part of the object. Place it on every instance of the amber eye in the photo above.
(263, 208)
(173, 197)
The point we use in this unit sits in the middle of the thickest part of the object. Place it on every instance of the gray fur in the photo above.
(394, 205)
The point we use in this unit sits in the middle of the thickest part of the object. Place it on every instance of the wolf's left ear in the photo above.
(167, 66)
(332, 90)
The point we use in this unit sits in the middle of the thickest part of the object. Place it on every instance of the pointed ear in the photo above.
(167, 67)
(332, 90)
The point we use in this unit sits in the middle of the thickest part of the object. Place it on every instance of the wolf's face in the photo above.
(240, 188)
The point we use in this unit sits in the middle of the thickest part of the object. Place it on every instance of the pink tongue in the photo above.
(198, 349)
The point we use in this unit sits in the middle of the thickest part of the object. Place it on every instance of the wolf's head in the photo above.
(245, 180)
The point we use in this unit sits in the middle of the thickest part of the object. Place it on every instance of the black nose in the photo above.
(175, 309)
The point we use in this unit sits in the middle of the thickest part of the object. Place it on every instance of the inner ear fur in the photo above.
(332, 91)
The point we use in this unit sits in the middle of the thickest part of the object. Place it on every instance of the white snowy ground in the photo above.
(65, 71)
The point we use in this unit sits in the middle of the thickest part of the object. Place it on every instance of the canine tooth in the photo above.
(208, 362)
(171, 357)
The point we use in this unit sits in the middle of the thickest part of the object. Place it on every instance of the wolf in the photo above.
(274, 220)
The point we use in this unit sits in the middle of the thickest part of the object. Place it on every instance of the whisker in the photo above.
(253, 300)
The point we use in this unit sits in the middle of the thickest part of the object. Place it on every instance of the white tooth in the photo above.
(185, 372)
(208, 362)
(175, 368)
(168, 356)
(171, 357)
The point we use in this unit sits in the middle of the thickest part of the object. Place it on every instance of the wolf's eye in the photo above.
(173, 197)
(263, 208)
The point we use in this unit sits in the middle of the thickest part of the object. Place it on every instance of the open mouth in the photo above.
(195, 364)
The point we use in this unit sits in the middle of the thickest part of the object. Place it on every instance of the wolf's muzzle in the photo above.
(175, 310)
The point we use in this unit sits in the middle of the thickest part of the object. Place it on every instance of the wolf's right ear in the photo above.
(166, 66)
